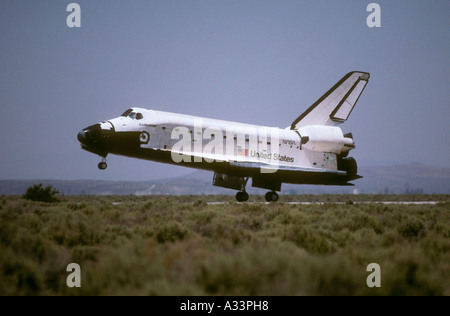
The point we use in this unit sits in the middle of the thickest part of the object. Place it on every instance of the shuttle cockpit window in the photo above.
(133, 115)
(127, 112)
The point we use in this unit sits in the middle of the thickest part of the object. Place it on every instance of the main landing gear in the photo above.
(272, 196)
(102, 165)
(242, 196)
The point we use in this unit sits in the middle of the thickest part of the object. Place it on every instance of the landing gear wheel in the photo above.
(242, 196)
(102, 165)
(272, 196)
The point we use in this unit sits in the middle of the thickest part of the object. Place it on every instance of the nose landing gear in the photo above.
(103, 165)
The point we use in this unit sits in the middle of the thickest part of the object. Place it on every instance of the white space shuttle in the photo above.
(312, 150)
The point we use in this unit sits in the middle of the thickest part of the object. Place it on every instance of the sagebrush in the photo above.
(184, 246)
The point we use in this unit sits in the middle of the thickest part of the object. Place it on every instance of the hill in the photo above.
(396, 179)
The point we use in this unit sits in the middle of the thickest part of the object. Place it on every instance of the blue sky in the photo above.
(260, 62)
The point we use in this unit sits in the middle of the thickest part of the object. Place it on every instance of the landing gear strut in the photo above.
(242, 196)
(272, 196)
(102, 165)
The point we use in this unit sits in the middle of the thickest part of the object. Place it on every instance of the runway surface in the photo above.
(321, 203)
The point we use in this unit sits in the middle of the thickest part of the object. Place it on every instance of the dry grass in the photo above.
(183, 246)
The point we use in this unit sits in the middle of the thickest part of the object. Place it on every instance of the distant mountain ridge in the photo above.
(396, 179)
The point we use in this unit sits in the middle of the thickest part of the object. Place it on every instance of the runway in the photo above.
(321, 203)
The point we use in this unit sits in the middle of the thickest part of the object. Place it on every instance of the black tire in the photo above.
(275, 197)
(272, 196)
(242, 196)
(102, 165)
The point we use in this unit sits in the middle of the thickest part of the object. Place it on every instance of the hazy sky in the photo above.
(261, 62)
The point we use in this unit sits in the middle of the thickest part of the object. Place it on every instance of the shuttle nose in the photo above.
(82, 137)
(93, 139)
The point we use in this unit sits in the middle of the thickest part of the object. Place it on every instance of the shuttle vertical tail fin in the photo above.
(335, 106)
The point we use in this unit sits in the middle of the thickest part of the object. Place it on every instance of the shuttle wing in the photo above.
(335, 106)
(296, 174)
(258, 166)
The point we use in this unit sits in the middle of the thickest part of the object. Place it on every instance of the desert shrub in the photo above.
(250, 270)
(250, 223)
(310, 240)
(146, 206)
(74, 229)
(226, 233)
(83, 253)
(40, 194)
(410, 277)
(199, 204)
(171, 232)
(251, 208)
(202, 217)
(360, 221)
(19, 277)
(436, 247)
(412, 229)
(390, 238)
(335, 275)
(77, 206)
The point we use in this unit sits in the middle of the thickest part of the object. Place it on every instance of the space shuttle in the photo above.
(313, 149)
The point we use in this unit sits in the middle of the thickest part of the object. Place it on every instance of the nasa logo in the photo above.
(144, 138)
